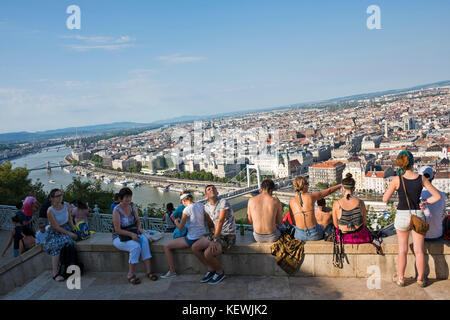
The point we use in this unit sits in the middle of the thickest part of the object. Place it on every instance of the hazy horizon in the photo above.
(150, 61)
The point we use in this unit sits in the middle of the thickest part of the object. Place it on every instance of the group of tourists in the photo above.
(345, 222)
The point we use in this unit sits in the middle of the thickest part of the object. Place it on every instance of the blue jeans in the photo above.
(311, 234)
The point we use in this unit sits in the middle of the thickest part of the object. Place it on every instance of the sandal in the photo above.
(134, 280)
(398, 281)
(422, 283)
(61, 279)
(152, 276)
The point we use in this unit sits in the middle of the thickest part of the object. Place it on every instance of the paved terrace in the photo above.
(113, 285)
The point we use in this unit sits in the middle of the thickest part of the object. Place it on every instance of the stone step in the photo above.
(113, 286)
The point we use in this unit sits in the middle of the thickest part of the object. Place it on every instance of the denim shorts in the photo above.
(190, 242)
(403, 219)
(311, 234)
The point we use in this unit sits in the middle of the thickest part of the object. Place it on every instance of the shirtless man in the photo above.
(264, 212)
(323, 213)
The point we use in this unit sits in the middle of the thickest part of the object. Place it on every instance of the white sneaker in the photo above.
(169, 275)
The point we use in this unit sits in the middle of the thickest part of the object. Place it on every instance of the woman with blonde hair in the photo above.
(302, 210)
(408, 185)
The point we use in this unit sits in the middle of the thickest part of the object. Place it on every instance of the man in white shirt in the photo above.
(437, 210)
(221, 213)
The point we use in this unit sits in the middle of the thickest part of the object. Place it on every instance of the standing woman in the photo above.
(408, 205)
(129, 236)
(60, 232)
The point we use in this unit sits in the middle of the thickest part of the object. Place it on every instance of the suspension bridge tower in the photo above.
(252, 166)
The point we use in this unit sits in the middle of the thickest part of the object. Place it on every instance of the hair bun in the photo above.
(348, 175)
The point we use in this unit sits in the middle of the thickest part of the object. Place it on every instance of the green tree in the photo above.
(16, 186)
(90, 192)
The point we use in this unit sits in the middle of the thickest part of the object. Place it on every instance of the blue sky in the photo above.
(144, 61)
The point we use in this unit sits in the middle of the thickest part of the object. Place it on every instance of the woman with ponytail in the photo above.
(408, 185)
(350, 215)
(302, 210)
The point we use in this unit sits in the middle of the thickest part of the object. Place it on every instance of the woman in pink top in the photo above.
(80, 212)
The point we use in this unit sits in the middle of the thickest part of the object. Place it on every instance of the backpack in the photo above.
(44, 207)
(81, 229)
(289, 253)
(446, 228)
(68, 257)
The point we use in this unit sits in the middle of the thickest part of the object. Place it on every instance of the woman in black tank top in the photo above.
(413, 183)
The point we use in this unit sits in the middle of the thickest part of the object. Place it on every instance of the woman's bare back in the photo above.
(305, 213)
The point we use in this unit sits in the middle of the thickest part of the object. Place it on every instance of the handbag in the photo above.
(131, 228)
(416, 224)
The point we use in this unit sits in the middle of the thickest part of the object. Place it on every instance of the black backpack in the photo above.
(44, 207)
(446, 228)
(68, 257)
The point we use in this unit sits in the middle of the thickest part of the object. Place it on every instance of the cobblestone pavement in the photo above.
(111, 286)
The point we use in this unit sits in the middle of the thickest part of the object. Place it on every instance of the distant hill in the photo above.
(107, 128)
(67, 132)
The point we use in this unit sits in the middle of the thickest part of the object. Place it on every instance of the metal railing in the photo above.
(98, 222)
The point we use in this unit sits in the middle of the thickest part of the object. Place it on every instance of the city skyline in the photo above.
(150, 62)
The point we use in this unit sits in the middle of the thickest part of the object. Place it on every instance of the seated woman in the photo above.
(302, 210)
(194, 215)
(128, 236)
(350, 216)
(60, 232)
(28, 241)
(80, 212)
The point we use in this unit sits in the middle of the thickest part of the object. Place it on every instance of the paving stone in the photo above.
(269, 288)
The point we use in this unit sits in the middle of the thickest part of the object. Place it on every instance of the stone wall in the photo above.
(250, 258)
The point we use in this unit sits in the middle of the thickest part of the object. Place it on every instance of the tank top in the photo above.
(413, 189)
(351, 218)
(61, 216)
(124, 220)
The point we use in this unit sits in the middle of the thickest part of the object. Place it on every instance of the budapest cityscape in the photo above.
(289, 150)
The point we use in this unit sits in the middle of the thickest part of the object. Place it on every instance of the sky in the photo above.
(143, 61)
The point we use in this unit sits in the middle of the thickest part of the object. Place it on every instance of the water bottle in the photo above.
(241, 227)
(426, 210)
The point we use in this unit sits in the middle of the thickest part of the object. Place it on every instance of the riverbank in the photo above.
(152, 180)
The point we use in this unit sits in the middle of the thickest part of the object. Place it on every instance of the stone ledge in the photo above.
(250, 258)
(246, 244)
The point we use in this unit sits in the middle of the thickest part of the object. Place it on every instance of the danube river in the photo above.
(142, 195)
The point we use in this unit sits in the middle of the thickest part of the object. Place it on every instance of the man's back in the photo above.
(264, 210)
(324, 216)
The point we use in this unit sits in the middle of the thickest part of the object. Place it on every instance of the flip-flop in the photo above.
(152, 276)
(422, 283)
(54, 278)
(134, 280)
(399, 282)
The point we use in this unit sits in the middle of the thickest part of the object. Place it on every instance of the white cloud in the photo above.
(99, 42)
(178, 58)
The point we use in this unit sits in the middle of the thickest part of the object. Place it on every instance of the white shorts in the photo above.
(403, 219)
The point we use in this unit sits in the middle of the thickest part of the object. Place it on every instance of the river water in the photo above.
(143, 195)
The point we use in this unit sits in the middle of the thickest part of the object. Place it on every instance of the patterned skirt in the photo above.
(55, 240)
